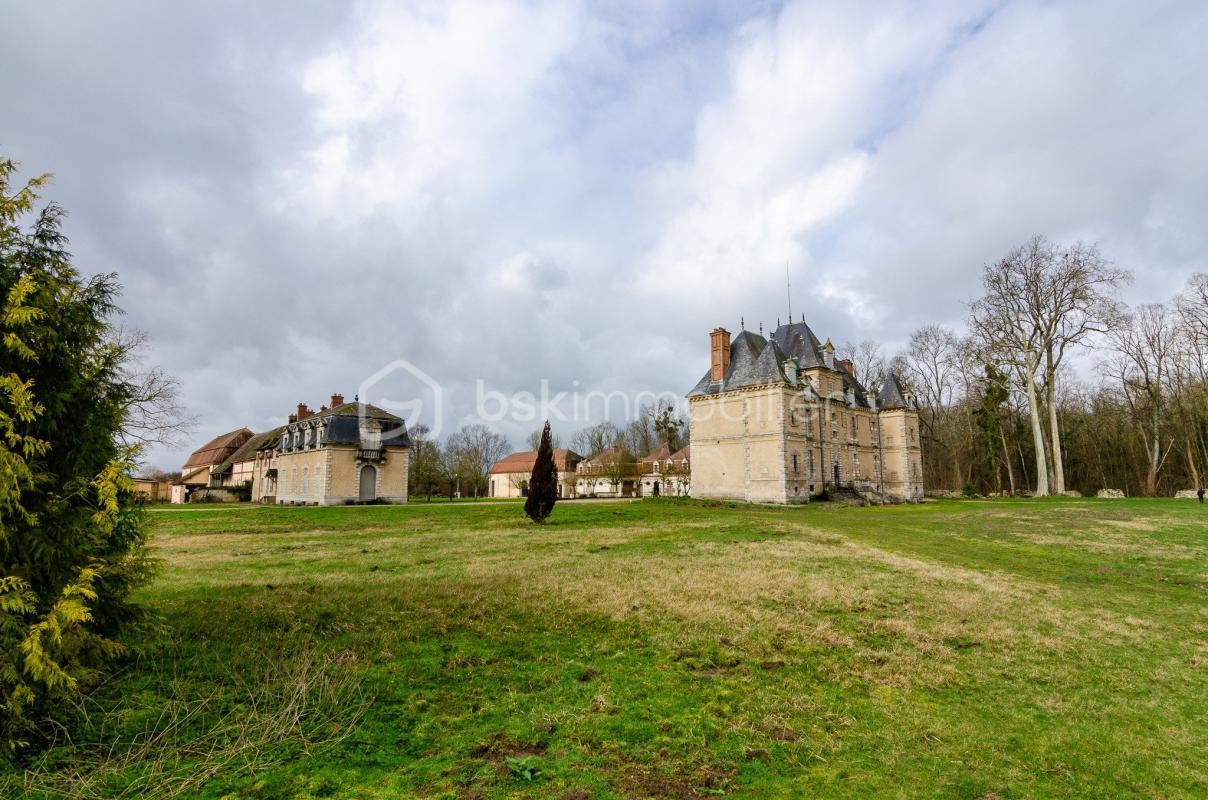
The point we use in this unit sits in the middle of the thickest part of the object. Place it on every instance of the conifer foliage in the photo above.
(71, 538)
(543, 484)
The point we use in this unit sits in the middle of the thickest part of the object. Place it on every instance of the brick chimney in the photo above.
(293, 418)
(337, 400)
(719, 341)
(847, 365)
(303, 411)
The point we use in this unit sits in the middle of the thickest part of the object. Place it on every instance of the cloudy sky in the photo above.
(295, 195)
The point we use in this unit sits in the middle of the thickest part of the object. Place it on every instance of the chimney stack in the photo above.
(719, 341)
(847, 365)
(293, 418)
(337, 400)
(303, 411)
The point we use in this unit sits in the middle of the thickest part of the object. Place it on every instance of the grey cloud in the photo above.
(584, 204)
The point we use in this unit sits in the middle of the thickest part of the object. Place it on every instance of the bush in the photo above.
(969, 490)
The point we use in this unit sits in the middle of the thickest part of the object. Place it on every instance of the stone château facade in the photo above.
(777, 420)
(348, 453)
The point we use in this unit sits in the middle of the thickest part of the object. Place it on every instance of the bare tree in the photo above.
(1143, 348)
(425, 472)
(639, 435)
(1039, 303)
(595, 439)
(868, 362)
(616, 465)
(154, 413)
(534, 440)
(1078, 301)
(472, 451)
(1007, 331)
(670, 427)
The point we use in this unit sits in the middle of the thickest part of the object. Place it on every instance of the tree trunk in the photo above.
(1155, 452)
(1055, 438)
(1042, 467)
(1195, 473)
(1006, 457)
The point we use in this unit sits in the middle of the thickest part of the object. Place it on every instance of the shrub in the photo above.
(71, 531)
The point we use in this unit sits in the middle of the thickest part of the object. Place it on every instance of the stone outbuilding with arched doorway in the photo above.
(348, 453)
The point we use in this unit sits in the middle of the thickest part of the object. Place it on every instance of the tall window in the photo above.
(795, 463)
(305, 481)
(853, 426)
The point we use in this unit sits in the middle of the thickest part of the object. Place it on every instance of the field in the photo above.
(963, 649)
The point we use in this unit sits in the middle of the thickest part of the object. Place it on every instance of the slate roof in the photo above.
(342, 426)
(892, 395)
(755, 361)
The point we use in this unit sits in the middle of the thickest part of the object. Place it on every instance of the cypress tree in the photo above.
(71, 535)
(543, 483)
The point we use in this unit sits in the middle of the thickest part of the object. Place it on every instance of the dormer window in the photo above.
(371, 434)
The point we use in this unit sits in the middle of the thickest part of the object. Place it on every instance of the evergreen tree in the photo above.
(71, 534)
(543, 485)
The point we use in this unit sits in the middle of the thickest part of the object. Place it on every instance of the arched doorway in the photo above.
(368, 482)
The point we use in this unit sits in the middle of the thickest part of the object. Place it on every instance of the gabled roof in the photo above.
(660, 453)
(601, 457)
(523, 461)
(193, 473)
(892, 395)
(247, 451)
(683, 454)
(217, 449)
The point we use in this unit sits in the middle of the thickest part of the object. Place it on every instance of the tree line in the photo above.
(1002, 408)
(462, 465)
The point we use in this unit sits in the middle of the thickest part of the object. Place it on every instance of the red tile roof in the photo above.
(524, 460)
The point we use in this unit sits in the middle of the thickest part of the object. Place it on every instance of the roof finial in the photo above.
(761, 329)
(742, 323)
(788, 287)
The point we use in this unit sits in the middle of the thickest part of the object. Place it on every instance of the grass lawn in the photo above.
(964, 649)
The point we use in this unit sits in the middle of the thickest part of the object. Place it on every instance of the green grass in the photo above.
(993, 649)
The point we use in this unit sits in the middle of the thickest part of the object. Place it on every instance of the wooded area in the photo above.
(1002, 408)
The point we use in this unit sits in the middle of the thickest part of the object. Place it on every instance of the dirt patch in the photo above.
(705, 780)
